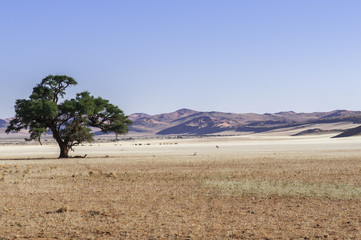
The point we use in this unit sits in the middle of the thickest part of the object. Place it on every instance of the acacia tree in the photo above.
(70, 120)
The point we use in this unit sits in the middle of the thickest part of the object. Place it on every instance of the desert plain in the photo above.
(231, 187)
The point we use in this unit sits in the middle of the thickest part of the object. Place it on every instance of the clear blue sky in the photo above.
(158, 56)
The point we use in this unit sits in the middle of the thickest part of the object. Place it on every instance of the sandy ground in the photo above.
(227, 146)
(245, 187)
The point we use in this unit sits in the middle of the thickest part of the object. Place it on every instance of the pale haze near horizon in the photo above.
(160, 56)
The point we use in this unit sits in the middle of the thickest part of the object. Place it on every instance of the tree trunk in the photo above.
(63, 145)
(64, 150)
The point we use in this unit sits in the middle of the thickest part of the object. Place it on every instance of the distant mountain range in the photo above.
(186, 121)
(3, 123)
(191, 122)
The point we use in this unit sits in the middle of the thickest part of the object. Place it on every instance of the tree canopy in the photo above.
(70, 120)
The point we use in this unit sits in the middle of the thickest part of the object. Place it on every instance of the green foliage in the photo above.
(69, 121)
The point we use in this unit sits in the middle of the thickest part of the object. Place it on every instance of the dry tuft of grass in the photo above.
(111, 175)
(63, 209)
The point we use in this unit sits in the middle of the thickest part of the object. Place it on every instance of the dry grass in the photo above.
(255, 187)
(217, 194)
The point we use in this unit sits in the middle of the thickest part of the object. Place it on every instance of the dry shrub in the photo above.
(111, 175)
(63, 209)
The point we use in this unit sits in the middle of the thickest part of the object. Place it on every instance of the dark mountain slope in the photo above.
(350, 132)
